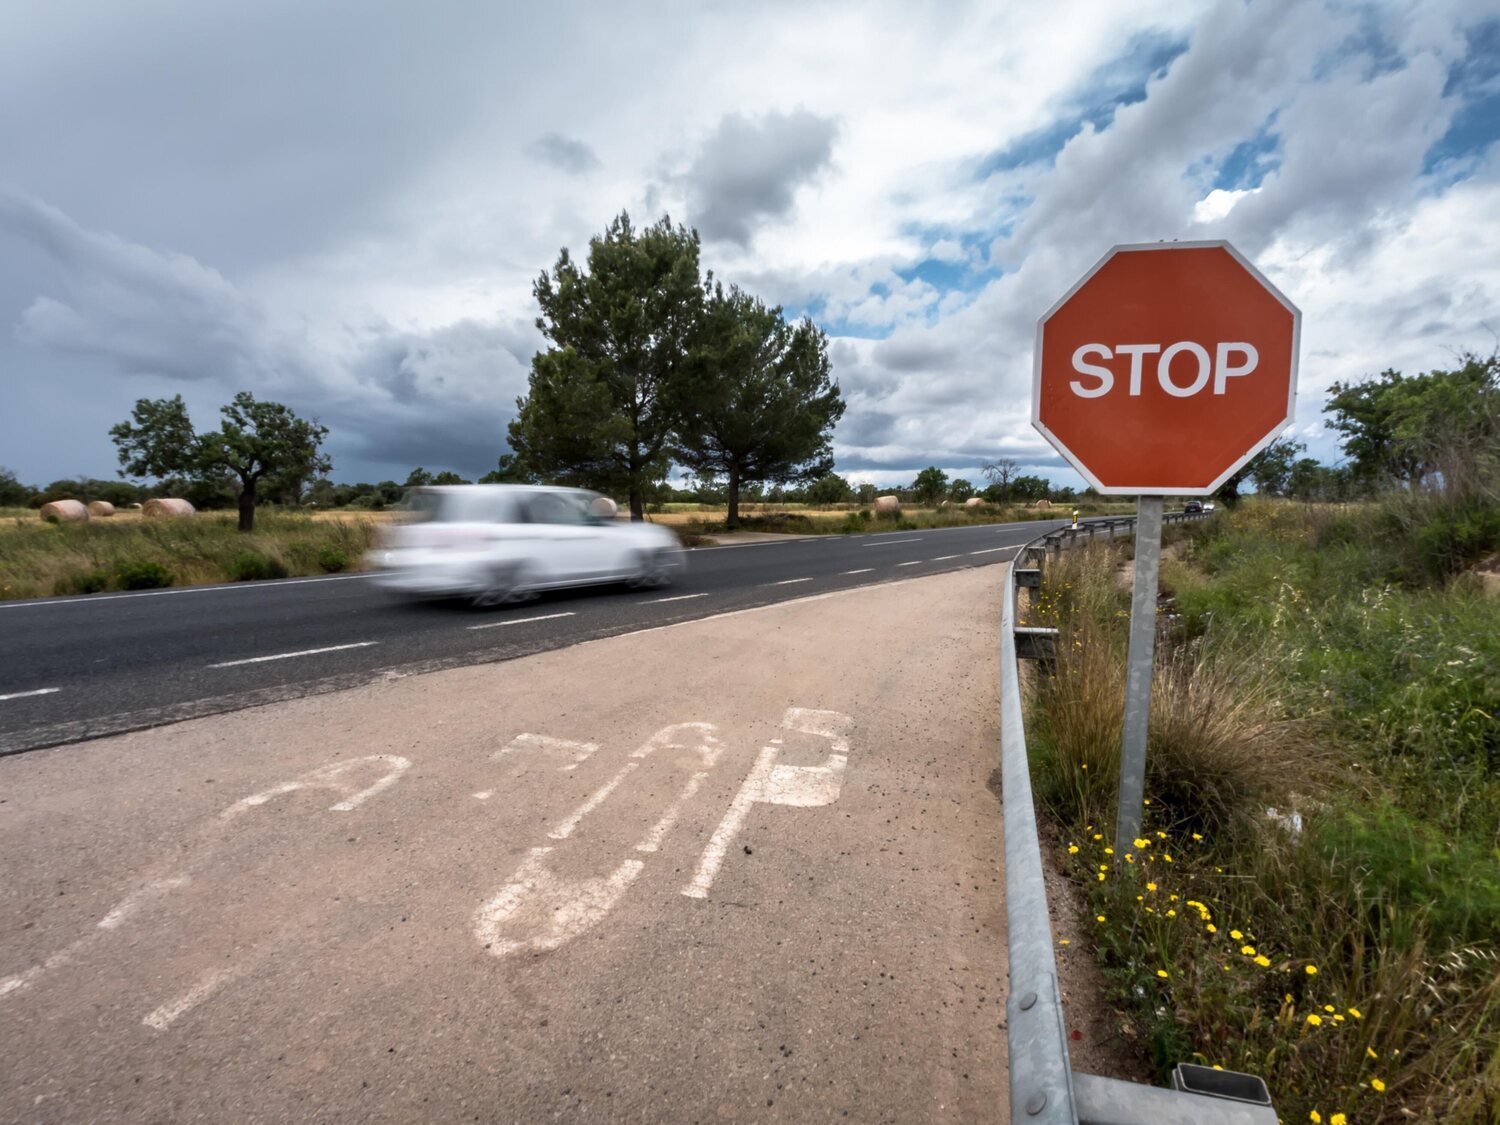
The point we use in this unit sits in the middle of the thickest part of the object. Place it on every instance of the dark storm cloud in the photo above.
(564, 153)
(748, 171)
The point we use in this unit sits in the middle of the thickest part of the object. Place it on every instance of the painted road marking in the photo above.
(550, 911)
(788, 582)
(576, 752)
(28, 694)
(944, 558)
(992, 550)
(290, 655)
(209, 983)
(522, 620)
(917, 562)
(893, 542)
(772, 784)
(326, 777)
(866, 570)
(38, 604)
(676, 598)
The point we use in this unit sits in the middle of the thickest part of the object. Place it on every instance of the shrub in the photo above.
(142, 574)
(251, 566)
(332, 560)
(82, 582)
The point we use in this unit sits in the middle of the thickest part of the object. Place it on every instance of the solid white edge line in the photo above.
(675, 598)
(38, 603)
(289, 655)
(26, 694)
(521, 620)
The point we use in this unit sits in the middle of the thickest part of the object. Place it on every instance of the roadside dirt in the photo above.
(740, 868)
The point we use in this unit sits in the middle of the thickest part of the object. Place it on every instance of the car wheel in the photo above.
(653, 570)
(508, 585)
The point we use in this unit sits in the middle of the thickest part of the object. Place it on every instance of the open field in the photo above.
(853, 518)
(1316, 895)
(126, 552)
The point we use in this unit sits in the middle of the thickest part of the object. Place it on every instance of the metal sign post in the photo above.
(1139, 663)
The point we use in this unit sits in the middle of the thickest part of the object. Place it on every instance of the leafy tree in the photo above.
(867, 492)
(960, 490)
(13, 494)
(757, 403)
(257, 441)
(1364, 413)
(508, 470)
(930, 486)
(829, 489)
(1062, 494)
(418, 478)
(1000, 473)
(603, 399)
(447, 476)
(1271, 468)
(1028, 489)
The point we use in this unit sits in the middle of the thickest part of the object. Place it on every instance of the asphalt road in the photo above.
(80, 668)
(743, 869)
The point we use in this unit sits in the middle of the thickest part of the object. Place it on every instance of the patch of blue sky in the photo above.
(1475, 79)
(1250, 161)
(1368, 44)
(1119, 82)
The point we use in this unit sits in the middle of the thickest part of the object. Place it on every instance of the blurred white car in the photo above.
(498, 543)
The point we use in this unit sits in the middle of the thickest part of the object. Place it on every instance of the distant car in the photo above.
(1193, 508)
(498, 543)
(1208, 505)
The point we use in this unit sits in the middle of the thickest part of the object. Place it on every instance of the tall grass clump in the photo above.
(39, 559)
(1316, 895)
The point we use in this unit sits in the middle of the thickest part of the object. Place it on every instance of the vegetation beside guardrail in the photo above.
(1316, 897)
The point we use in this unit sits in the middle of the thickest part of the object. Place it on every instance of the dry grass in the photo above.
(40, 560)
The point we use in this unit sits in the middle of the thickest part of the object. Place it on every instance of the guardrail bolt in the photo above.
(1036, 1103)
(1027, 1001)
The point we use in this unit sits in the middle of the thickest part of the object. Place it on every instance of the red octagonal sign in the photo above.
(1166, 368)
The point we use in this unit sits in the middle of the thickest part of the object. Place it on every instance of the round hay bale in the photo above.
(1042, 504)
(945, 504)
(166, 509)
(101, 508)
(135, 507)
(973, 502)
(603, 507)
(887, 506)
(65, 511)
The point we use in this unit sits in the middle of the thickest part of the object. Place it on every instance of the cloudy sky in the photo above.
(343, 205)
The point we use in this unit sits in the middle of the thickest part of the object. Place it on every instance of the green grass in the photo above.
(1313, 662)
(39, 559)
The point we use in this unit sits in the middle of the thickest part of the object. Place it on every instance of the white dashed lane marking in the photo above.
(788, 581)
(676, 598)
(522, 620)
(290, 655)
(866, 570)
(28, 694)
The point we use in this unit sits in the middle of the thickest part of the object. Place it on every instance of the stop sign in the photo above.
(1166, 368)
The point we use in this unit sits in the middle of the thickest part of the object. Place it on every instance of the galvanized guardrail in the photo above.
(1044, 1088)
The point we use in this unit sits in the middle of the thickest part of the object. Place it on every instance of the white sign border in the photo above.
(1146, 489)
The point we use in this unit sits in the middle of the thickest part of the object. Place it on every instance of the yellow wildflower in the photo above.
(1371, 1052)
(1101, 876)
(1160, 835)
(1171, 913)
(1098, 917)
(1236, 934)
(1377, 1085)
(1263, 961)
(1163, 973)
(1109, 851)
(1129, 858)
(1314, 1019)
(1329, 1008)
(1140, 843)
(1248, 950)
(1151, 886)
(1098, 836)
(1072, 849)
(1310, 970)
(1355, 1012)
(1212, 928)
(1315, 1117)
(1338, 1119)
